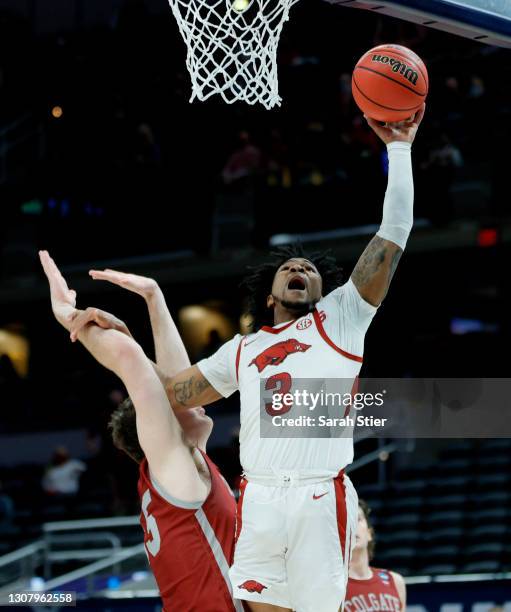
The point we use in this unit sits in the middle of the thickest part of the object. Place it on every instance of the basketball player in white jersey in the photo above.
(298, 510)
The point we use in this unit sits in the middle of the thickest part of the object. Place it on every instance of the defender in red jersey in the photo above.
(370, 588)
(188, 510)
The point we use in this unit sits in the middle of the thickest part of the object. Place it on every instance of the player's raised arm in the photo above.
(159, 432)
(375, 268)
(171, 355)
(186, 386)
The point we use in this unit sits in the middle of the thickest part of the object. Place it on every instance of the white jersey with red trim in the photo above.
(327, 343)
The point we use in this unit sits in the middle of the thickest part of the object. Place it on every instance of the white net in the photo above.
(232, 47)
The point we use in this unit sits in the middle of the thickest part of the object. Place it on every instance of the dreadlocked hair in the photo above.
(259, 281)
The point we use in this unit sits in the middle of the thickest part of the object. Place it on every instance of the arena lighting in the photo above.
(57, 112)
(15, 345)
(487, 237)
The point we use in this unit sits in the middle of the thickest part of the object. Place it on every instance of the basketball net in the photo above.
(232, 47)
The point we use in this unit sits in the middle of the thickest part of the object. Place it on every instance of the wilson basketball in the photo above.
(390, 83)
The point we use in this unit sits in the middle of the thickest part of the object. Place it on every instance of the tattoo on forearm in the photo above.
(393, 265)
(370, 261)
(373, 260)
(187, 391)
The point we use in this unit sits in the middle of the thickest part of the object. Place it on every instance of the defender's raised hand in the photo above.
(63, 299)
(146, 287)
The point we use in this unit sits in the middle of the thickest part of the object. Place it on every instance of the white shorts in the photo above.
(294, 544)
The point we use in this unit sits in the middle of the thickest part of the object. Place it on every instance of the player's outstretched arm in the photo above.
(158, 430)
(171, 355)
(186, 386)
(375, 268)
(186, 389)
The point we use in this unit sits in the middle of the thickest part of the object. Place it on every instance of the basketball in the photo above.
(389, 83)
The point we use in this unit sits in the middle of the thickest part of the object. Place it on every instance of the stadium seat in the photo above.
(494, 461)
(447, 502)
(376, 504)
(406, 537)
(461, 450)
(405, 555)
(401, 521)
(453, 484)
(495, 445)
(411, 486)
(438, 568)
(489, 515)
(495, 532)
(500, 480)
(447, 535)
(448, 518)
(456, 467)
(405, 503)
(367, 490)
(415, 472)
(438, 554)
(481, 566)
(483, 552)
(493, 497)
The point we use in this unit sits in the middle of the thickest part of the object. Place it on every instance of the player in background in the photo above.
(188, 511)
(297, 508)
(370, 588)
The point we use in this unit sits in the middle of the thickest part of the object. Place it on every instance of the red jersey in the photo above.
(190, 546)
(377, 593)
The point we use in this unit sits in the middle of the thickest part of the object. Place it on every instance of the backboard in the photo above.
(487, 21)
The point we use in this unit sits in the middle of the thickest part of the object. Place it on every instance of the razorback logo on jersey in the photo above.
(252, 586)
(277, 353)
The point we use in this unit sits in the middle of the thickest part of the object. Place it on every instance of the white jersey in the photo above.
(327, 343)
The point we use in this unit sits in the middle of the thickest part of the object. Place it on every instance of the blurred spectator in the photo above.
(440, 169)
(147, 150)
(244, 163)
(6, 510)
(345, 97)
(63, 475)
(444, 155)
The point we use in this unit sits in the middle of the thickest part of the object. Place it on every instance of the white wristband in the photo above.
(397, 218)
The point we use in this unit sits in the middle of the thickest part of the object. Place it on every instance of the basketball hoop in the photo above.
(232, 47)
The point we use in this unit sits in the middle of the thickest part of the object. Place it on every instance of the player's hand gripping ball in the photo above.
(390, 83)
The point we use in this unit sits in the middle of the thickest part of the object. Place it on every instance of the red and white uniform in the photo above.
(377, 593)
(190, 545)
(297, 509)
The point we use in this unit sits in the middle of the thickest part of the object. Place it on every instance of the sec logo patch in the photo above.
(303, 324)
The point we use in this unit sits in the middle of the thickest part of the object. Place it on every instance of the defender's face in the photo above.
(297, 281)
(195, 423)
(363, 535)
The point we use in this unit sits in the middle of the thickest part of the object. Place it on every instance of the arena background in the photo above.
(105, 163)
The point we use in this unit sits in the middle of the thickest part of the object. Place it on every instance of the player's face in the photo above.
(363, 535)
(196, 424)
(297, 281)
